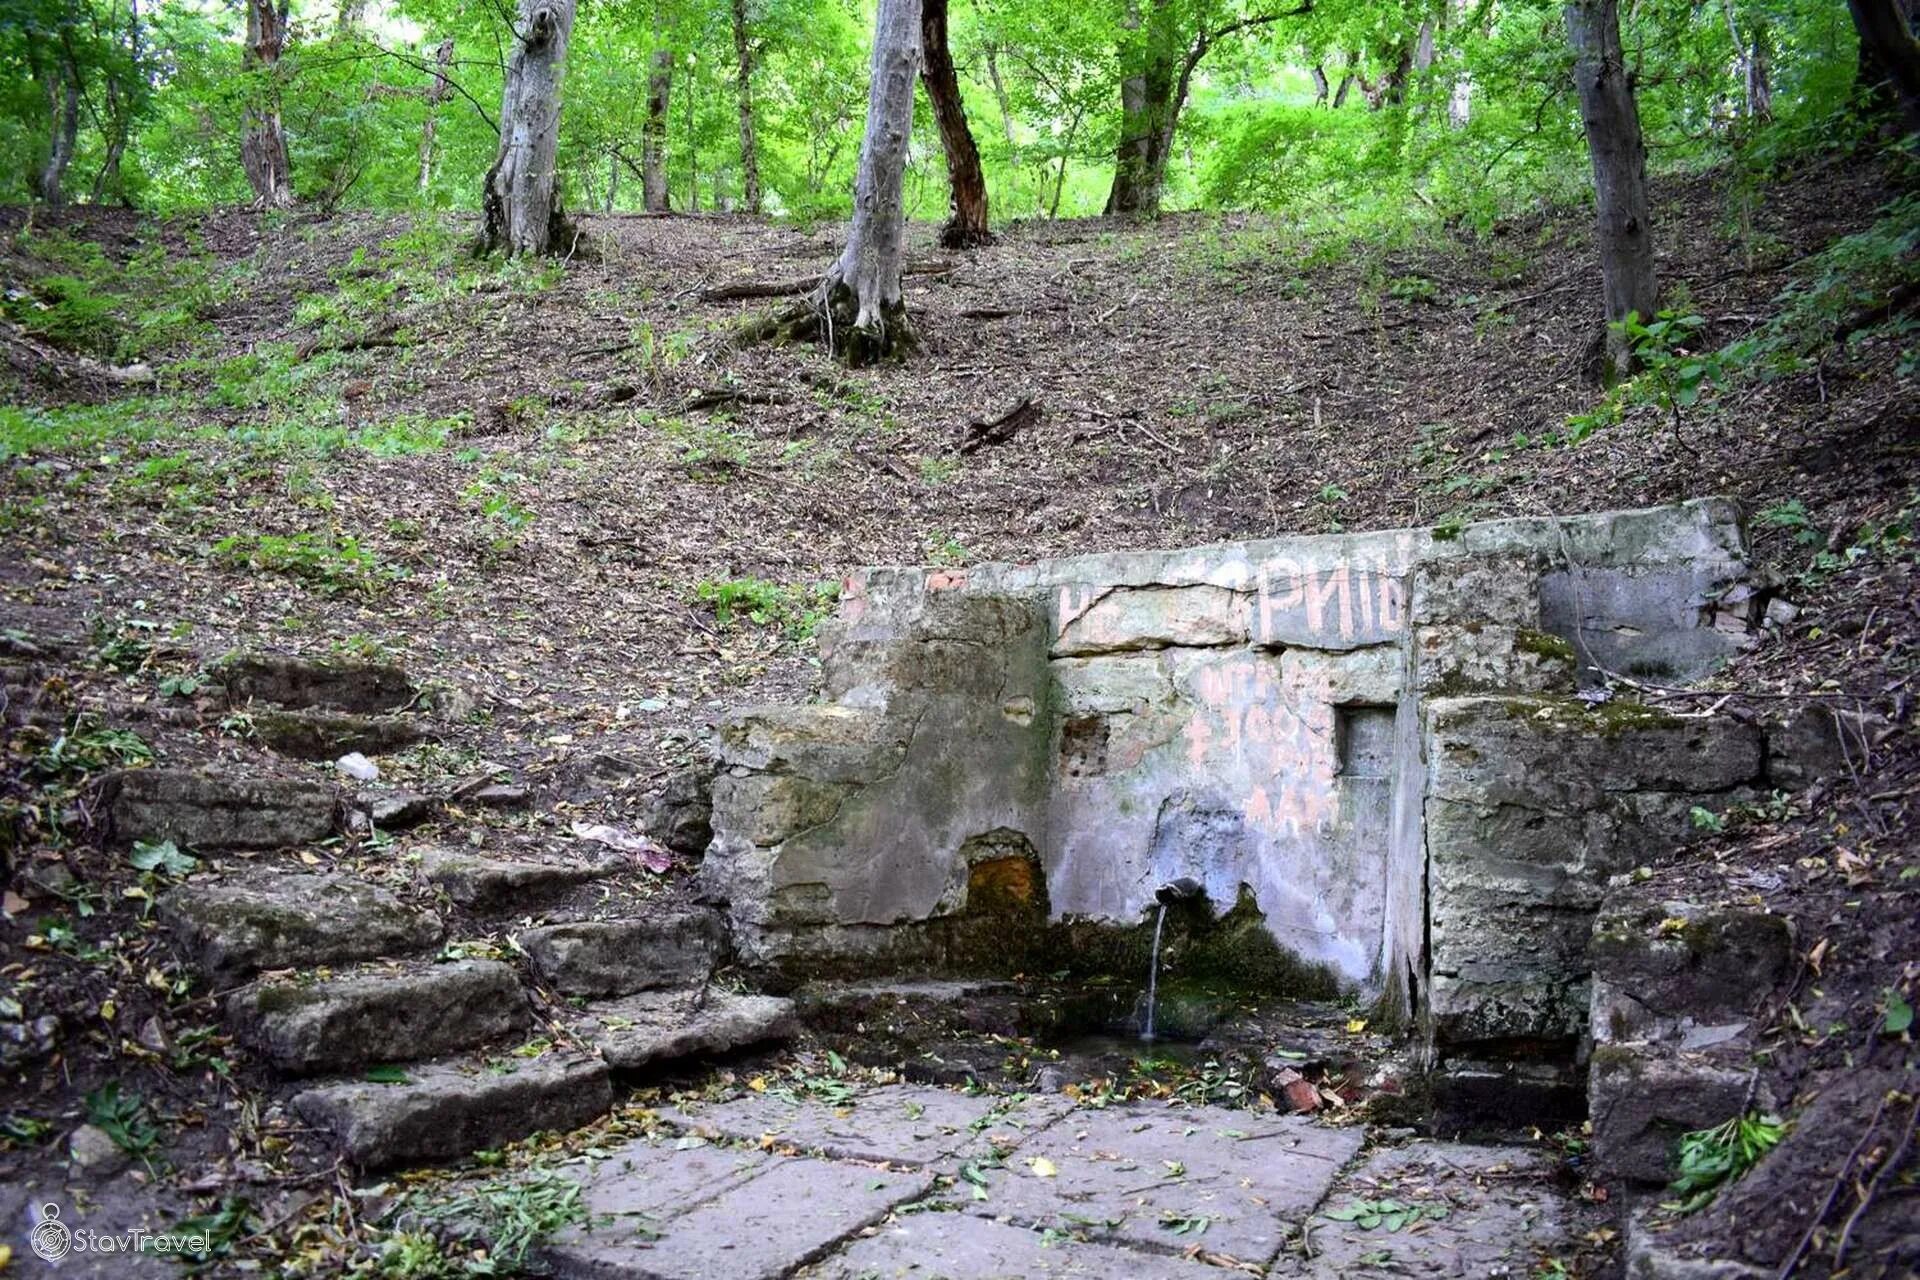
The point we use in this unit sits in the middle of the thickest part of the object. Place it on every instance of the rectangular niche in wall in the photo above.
(1364, 733)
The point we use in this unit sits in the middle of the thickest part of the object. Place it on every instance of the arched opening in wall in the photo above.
(1003, 876)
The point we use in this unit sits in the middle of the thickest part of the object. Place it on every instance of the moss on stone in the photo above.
(1544, 644)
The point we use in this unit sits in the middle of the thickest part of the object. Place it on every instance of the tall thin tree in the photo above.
(1623, 217)
(750, 196)
(653, 135)
(520, 203)
(966, 184)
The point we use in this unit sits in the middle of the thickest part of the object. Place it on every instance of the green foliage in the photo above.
(334, 565)
(1709, 1159)
(1394, 1215)
(515, 1213)
(797, 609)
(88, 746)
(124, 1117)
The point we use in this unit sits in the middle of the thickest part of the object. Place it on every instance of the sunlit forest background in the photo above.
(1352, 113)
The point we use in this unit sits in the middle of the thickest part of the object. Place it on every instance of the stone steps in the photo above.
(620, 957)
(233, 929)
(218, 811)
(450, 1108)
(379, 1015)
(656, 1028)
(484, 883)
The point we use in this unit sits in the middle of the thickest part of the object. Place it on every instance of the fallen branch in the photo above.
(728, 395)
(384, 336)
(744, 290)
(1001, 429)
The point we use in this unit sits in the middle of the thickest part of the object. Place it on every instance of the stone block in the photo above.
(1486, 658)
(359, 687)
(767, 809)
(620, 957)
(681, 816)
(449, 1110)
(234, 928)
(475, 880)
(382, 1016)
(1641, 1098)
(657, 1028)
(1497, 588)
(1127, 619)
(1673, 970)
(1816, 742)
(822, 742)
(1562, 754)
(209, 811)
(328, 735)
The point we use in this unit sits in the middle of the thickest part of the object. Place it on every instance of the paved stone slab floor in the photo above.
(1163, 1179)
(915, 1183)
(901, 1124)
(1501, 1215)
(960, 1246)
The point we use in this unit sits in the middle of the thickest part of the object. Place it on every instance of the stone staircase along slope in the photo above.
(373, 995)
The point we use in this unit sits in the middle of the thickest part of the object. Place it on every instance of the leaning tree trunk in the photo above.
(859, 308)
(1612, 121)
(967, 220)
(436, 94)
(749, 148)
(1889, 55)
(521, 201)
(263, 143)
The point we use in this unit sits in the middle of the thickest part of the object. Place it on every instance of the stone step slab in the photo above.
(328, 735)
(232, 929)
(208, 811)
(785, 1213)
(449, 1109)
(401, 1015)
(359, 687)
(485, 883)
(654, 1029)
(621, 957)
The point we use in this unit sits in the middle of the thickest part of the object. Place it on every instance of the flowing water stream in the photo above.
(1153, 972)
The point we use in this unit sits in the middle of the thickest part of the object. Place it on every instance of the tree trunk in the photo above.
(693, 144)
(1612, 120)
(966, 185)
(860, 308)
(263, 143)
(521, 200)
(352, 16)
(1321, 86)
(1000, 96)
(653, 137)
(1889, 56)
(1147, 112)
(1751, 54)
(1347, 78)
(436, 94)
(749, 147)
(63, 130)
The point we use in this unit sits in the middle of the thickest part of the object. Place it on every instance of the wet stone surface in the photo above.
(912, 1181)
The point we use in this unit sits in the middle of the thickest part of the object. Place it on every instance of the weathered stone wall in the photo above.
(1064, 737)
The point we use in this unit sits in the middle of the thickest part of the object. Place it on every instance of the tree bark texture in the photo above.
(1612, 121)
(653, 137)
(63, 129)
(1146, 112)
(436, 94)
(1889, 57)
(521, 202)
(263, 142)
(749, 146)
(966, 184)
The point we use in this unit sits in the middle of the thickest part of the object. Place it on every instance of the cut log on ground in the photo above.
(1001, 429)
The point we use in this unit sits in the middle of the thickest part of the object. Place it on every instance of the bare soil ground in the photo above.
(533, 473)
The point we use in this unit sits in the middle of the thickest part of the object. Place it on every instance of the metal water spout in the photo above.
(1178, 890)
